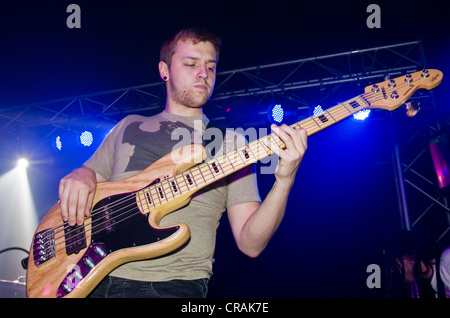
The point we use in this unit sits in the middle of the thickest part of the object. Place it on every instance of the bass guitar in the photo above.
(70, 261)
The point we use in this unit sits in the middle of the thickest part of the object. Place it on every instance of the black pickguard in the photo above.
(118, 224)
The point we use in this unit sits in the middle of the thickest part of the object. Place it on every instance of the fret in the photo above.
(165, 189)
(161, 193)
(272, 138)
(233, 159)
(199, 170)
(174, 186)
(148, 195)
(340, 112)
(205, 171)
(155, 188)
(267, 150)
(181, 183)
(331, 116)
(310, 125)
(364, 100)
(251, 152)
(240, 156)
(227, 166)
(245, 153)
(141, 199)
(236, 165)
(190, 179)
(253, 148)
(209, 169)
(216, 169)
(354, 104)
(317, 122)
(213, 168)
(149, 199)
(227, 161)
(350, 110)
(296, 126)
(322, 118)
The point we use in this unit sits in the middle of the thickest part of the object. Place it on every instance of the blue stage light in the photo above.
(276, 113)
(318, 110)
(58, 143)
(362, 114)
(86, 138)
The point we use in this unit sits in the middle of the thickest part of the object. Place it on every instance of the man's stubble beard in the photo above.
(189, 98)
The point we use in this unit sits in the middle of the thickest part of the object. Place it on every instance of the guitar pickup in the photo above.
(75, 238)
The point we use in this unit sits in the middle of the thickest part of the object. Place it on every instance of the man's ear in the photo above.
(163, 70)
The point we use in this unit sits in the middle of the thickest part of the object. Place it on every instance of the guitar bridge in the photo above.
(43, 246)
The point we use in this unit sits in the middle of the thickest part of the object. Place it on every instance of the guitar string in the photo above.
(133, 194)
(152, 189)
(122, 214)
(228, 167)
(367, 97)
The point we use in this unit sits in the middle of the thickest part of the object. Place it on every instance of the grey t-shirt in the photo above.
(137, 142)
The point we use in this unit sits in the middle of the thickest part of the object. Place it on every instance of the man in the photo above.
(188, 66)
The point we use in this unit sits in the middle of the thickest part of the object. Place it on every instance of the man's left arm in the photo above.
(254, 224)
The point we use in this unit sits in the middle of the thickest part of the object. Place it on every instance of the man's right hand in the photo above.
(76, 194)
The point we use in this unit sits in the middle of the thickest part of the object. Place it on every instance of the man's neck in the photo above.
(183, 110)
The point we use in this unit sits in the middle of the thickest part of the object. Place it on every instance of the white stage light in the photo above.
(22, 163)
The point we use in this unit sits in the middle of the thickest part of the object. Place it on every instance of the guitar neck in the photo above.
(332, 115)
(208, 172)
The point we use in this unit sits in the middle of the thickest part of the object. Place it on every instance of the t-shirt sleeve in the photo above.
(243, 187)
(102, 159)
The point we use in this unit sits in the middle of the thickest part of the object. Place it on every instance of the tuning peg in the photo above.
(408, 78)
(412, 109)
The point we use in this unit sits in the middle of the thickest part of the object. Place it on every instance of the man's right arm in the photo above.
(76, 194)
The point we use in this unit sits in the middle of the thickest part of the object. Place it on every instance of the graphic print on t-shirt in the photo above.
(151, 146)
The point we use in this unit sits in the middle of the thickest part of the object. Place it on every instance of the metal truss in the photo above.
(258, 82)
(252, 88)
(423, 206)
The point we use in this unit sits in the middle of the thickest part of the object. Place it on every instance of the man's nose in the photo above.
(202, 72)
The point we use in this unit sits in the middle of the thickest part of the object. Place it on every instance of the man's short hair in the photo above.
(195, 34)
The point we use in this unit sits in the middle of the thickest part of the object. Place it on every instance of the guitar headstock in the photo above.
(392, 93)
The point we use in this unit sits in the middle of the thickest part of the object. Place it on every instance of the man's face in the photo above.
(192, 74)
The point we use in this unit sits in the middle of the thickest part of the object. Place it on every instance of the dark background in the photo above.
(344, 200)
